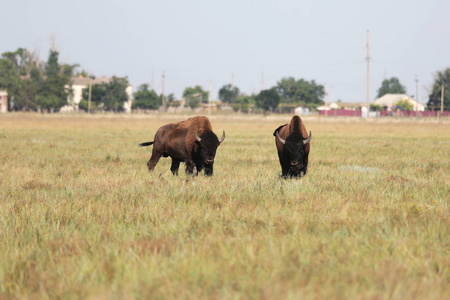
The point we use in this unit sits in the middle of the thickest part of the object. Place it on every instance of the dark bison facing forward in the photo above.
(292, 143)
(191, 141)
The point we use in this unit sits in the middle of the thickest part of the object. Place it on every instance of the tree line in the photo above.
(290, 92)
(287, 94)
(33, 85)
(46, 86)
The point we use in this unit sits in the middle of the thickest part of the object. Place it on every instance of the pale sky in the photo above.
(253, 43)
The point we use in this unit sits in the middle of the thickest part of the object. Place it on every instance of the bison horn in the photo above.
(223, 137)
(305, 142)
(196, 136)
(280, 139)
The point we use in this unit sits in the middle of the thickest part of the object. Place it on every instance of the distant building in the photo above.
(80, 83)
(388, 101)
(3, 102)
(342, 105)
(300, 110)
(323, 107)
(176, 107)
(209, 106)
(329, 106)
(352, 105)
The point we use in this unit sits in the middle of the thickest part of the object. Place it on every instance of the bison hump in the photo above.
(278, 129)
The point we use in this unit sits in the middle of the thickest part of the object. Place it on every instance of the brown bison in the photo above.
(191, 141)
(292, 143)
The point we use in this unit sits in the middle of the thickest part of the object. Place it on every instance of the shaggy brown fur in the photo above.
(178, 141)
(293, 154)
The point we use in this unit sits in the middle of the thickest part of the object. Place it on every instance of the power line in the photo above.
(368, 73)
(417, 96)
(262, 81)
(163, 102)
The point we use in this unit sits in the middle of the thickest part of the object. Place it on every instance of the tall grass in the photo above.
(80, 216)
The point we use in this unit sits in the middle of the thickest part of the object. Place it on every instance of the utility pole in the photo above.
(368, 75)
(209, 98)
(89, 97)
(153, 82)
(417, 96)
(163, 100)
(262, 81)
(326, 105)
(442, 100)
(232, 79)
(332, 99)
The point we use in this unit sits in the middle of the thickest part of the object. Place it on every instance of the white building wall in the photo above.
(77, 93)
(77, 89)
(3, 102)
(127, 105)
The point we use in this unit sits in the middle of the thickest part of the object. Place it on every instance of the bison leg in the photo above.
(208, 170)
(199, 167)
(191, 168)
(153, 160)
(285, 168)
(175, 166)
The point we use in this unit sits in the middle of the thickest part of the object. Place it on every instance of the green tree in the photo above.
(196, 92)
(300, 92)
(21, 77)
(84, 105)
(25, 99)
(243, 103)
(146, 99)
(30, 86)
(442, 78)
(404, 104)
(391, 86)
(193, 100)
(228, 93)
(115, 94)
(170, 98)
(53, 92)
(22, 59)
(268, 100)
(171, 101)
(52, 67)
(82, 73)
(376, 107)
(97, 93)
(48, 102)
(36, 75)
(9, 79)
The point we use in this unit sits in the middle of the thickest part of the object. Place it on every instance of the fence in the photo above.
(340, 113)
(385, 113)
(424, 114)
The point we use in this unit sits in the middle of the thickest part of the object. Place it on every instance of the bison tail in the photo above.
(146, 144)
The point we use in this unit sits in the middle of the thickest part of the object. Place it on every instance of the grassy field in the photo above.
(80, 216)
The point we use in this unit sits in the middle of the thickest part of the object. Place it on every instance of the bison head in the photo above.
(208, 143)
(295, 150)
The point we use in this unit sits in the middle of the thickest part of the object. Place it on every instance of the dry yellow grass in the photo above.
(80, 216)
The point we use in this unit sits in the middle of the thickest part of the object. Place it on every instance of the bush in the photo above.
(84, 105)
(404, 104)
